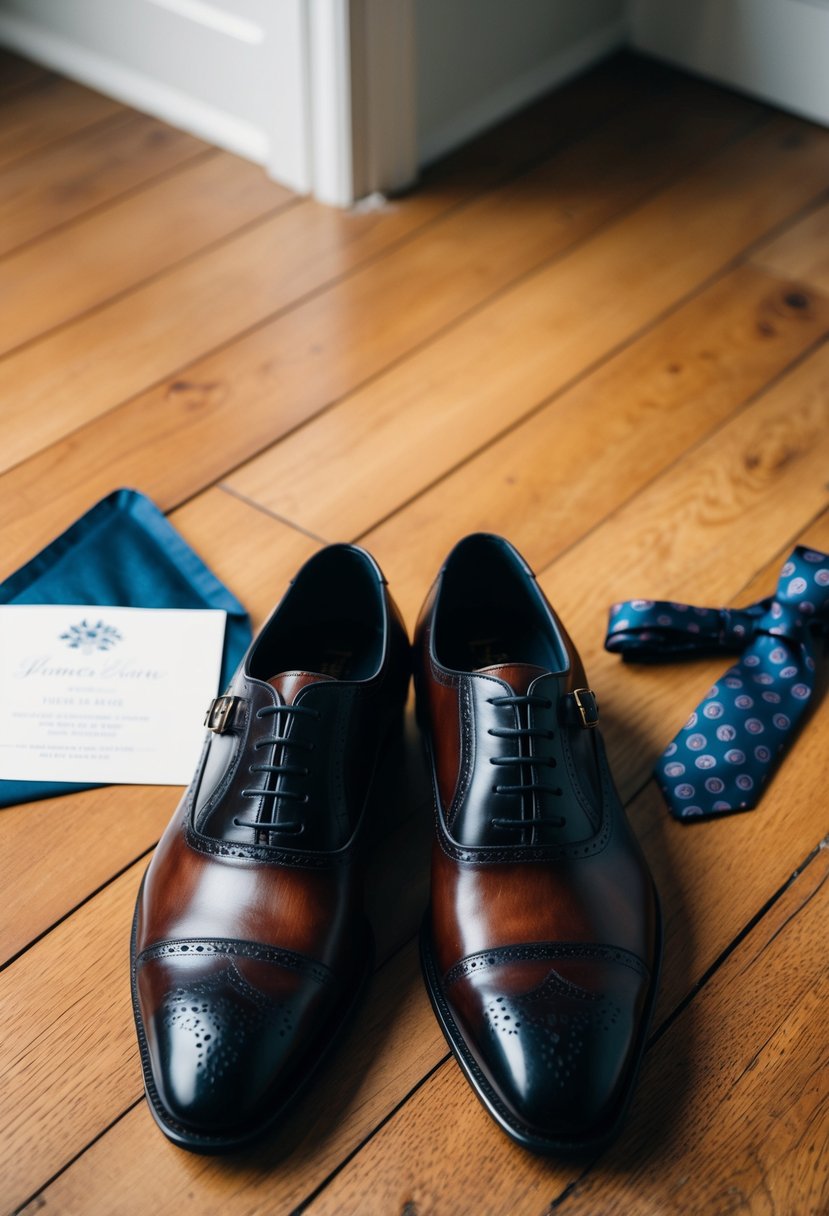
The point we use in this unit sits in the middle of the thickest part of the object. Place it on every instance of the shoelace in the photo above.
(269, 825)
(524, 732)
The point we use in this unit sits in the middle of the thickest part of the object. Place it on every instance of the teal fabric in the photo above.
(121, 552)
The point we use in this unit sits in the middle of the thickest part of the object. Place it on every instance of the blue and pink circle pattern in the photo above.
(724, 754)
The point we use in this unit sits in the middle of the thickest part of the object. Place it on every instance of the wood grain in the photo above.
(51, 110)
(409, 427)
(802, 251)
(311, 355)
(61, 183)
(65, 1010)
(553, 478)
(86, 263)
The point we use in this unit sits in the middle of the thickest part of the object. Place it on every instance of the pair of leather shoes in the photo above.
(540, 951)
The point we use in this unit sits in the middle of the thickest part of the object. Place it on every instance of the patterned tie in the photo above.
(727, 749)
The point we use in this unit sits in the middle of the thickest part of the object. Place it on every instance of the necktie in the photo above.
(729, 746)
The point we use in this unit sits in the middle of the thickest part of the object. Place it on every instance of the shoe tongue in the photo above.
(519, 676)
(289, 683)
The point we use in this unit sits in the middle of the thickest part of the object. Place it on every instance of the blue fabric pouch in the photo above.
(121, 552)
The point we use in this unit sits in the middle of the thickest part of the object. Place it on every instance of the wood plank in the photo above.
(86, 263)
(86, 368)
(96, 166)
(52, 110)
(731, 1115)
(79, 845)
(553, 478)
(422, 286)
(278, 374)
(802, 251)
(411, 426)
(81, 842)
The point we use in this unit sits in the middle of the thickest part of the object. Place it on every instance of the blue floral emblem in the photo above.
(86, 637)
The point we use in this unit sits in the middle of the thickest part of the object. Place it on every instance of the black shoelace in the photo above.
(531, 786)
(295, 826)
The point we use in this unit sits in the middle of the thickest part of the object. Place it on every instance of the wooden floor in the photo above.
(601, 330)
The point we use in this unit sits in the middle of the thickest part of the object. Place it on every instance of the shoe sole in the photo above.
(528, 1137)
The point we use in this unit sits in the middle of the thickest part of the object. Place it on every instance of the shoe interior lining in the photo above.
(331, 622)
(490, 612)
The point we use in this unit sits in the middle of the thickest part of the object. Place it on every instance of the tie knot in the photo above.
(739, 625)
(783, 620)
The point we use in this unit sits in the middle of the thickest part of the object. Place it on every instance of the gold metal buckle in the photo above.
(219, 713)
(587, 707)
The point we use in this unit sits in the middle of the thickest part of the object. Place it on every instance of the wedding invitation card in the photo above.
(105, 695)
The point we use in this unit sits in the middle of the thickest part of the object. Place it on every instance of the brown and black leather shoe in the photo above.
(250, 942)
(542, 945)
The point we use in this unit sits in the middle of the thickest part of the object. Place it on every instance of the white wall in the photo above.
(479, 59)
(775, 49)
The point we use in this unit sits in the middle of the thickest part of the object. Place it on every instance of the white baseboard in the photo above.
(134, 88)
(522, 90)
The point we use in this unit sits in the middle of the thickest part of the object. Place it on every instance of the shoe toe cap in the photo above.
(558, 1053)
(222, 1049)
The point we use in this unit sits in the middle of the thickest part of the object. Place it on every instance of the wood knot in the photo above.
(193, 394)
